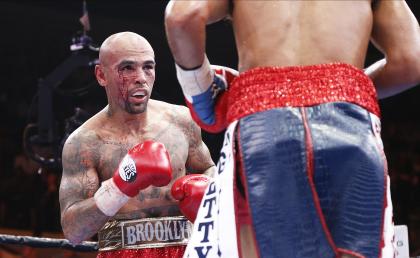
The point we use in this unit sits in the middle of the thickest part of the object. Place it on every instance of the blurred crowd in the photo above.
(29, 196)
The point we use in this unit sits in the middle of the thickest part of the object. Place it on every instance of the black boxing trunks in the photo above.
(309, 151)
(151, 237)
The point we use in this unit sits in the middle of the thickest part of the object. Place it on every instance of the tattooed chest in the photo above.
(152, 201)
(111, 154)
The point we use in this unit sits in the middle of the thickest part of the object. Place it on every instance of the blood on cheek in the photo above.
(123, 81)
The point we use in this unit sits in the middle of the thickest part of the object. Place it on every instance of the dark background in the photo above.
(36, 38)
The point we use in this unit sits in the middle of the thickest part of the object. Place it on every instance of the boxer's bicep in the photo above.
(395, 29)
(210, 10)
(200, 161)
(79, 179)
(199, 158)
(80, 217)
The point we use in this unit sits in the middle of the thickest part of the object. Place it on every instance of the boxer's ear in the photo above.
(100, 75)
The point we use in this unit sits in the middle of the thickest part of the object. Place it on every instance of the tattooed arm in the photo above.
(199, 159)
(80, 217)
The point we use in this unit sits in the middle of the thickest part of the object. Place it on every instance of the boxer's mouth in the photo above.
(139, 94)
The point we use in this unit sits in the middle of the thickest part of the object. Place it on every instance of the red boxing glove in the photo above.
(204, 90)
(189, 190)
(145, 164)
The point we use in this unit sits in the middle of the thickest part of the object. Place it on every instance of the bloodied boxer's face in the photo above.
(128, 71)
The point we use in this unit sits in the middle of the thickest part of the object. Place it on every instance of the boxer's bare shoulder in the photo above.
(182, 132)
(179, 118)
(81, 149)
(301, 27)
(79, 157)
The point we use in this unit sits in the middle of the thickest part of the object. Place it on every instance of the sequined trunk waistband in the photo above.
(144, 233)
(265, 88)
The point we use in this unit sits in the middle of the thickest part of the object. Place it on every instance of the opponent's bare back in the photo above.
(293, 33)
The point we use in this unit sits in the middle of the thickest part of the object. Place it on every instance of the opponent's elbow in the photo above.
(408, 66)
(415, 59)
(411, 64)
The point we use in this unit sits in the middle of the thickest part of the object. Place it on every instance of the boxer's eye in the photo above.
(127, 68)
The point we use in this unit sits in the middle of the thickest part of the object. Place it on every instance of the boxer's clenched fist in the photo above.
(204, 90)
(145, 164)
(189, 190)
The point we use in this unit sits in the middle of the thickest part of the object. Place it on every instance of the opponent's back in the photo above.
(288, 33)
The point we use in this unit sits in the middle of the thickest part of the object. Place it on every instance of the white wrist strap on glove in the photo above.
(197, 81)
(109, 198)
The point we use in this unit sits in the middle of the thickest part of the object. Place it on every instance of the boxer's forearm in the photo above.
(82, 220)
(391, 78)
(185, 29)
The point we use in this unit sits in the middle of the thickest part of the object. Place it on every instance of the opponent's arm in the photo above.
(396, 33)
(185, 23)
(80, 217)
(201, 83)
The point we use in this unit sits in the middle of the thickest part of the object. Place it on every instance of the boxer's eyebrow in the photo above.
(126, 63)
(149, 62)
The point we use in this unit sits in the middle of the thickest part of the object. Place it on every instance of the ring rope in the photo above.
(42, 242)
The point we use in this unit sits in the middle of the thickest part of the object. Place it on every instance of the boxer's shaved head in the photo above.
(123, 41)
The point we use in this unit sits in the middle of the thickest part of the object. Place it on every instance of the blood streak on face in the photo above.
(123, 83)
(134, 83)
